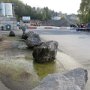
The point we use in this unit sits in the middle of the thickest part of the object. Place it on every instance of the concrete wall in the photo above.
(7, 20)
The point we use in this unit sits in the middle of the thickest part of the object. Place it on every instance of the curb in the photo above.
(43, 27)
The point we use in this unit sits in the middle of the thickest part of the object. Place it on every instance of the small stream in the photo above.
(17, 69)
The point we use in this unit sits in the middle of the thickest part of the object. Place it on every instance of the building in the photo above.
(7, 15)
(6, 9)
(56, 18)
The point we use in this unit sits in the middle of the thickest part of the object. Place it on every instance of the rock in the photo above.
(24, 36)
(12, 34)
(46, 52)
(28, 34)
(18, 74)
(79, 76)
(72, 80)
(3, 87)
(33, 40)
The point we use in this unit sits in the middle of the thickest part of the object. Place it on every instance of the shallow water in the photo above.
(17, 69)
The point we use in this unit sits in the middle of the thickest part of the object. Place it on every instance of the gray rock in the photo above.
(12, 34)
(67, 81)
(24, 36)
(79, 76)
(28, 34)
(33, 40)
(46, 52)
(3, 87)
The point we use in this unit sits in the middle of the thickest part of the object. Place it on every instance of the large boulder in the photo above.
(12, 34)
(33, 40)
(79, 76)
(28, 34)
(46, 52)
(24, 36)
(72, 80)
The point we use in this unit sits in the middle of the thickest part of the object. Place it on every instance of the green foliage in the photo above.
(25, 10)
(84, 11)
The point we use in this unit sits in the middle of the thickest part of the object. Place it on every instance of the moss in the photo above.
(43, 70)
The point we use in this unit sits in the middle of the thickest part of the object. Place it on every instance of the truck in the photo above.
(26, 19)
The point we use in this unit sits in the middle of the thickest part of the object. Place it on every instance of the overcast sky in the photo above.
(65, 6)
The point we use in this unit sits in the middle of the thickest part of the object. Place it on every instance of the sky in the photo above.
(65, 6)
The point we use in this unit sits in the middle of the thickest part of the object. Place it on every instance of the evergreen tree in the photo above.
(84, 11)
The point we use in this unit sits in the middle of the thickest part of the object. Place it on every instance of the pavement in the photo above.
(74, 45)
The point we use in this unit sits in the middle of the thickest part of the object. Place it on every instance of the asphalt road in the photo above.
(73, 43)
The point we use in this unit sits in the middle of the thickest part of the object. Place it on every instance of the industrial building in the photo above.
(7, 16)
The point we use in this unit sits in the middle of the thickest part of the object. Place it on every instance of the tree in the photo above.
(84, 11)
(25, 10)
(46, 13)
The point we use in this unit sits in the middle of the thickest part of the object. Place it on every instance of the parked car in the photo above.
(88, 26)
(73, 27)
(84, 27)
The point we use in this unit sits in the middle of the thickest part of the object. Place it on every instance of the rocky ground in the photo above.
(73, 47)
